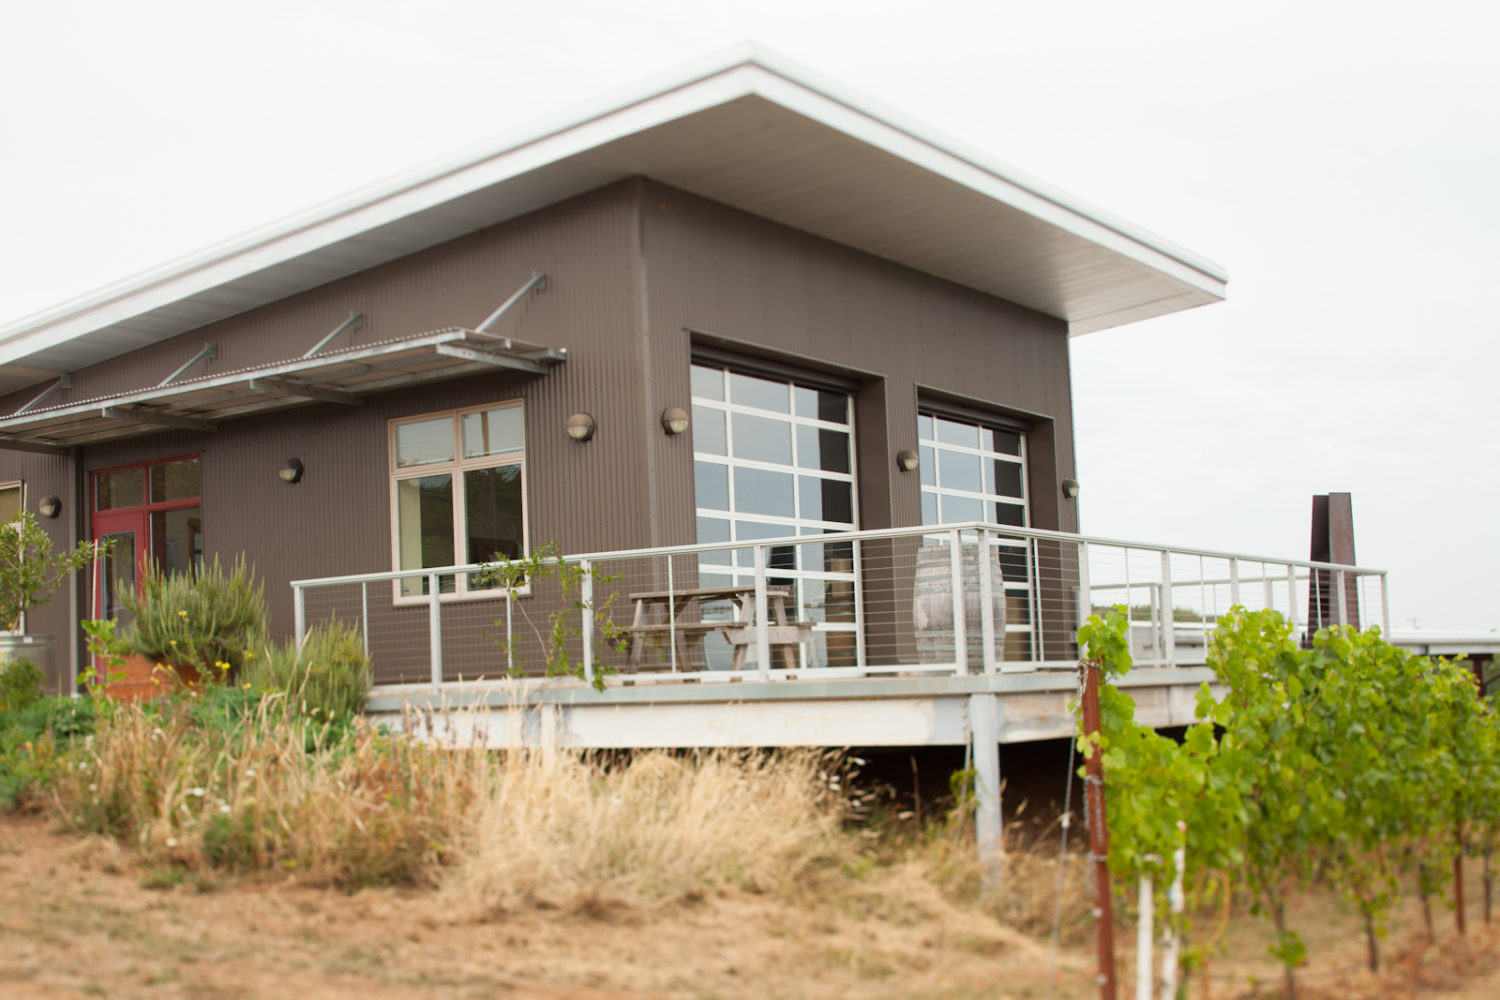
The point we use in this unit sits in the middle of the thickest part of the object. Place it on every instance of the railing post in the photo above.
(986, 604)
(1291, 594)
(1168, 614)
(1234, 582)
(1085, 600)
(762, 606)
(299, 614)
(510, 638)
(956, 567)
(672, 616)
(586, 599)
(1339, 595)
(435, 629)
(1385, 608)
(364, 613)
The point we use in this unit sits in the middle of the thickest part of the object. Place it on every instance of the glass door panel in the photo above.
(118, 574)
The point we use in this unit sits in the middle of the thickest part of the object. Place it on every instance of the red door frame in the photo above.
(137, 519)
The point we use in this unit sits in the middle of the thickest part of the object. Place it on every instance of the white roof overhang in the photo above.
(335, 376)
(744, 128)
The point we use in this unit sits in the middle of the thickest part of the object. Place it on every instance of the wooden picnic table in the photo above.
(668, 613)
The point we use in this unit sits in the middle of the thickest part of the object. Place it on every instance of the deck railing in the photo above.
(860, 603)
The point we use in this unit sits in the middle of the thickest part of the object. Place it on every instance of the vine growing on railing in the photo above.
(564, 621)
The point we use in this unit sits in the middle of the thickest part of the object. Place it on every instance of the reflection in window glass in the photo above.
(177, 539)
(821, 404)
(711, 483)
(708, 431)
(492, 514)
(821, 448)
(1003, 478)
(763, 394)
(121, 488)
(423, 442)
(760, 439)
(493, 432)
(175, 481)
(708, 383)
(757, 491)
(953, 432)
(959, 470)
(10, 503)
(424, 528)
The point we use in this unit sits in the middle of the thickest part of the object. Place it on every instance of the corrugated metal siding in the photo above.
(47, 475)
(337, 520)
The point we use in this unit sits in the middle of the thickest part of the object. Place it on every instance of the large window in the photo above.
(973, 471)
(775, 458)
(457, 493)
(153, 517)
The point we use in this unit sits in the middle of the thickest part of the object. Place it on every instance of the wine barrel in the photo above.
(932, 605)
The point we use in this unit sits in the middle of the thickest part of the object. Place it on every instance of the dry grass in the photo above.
(250, 797)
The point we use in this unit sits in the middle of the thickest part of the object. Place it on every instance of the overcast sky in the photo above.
(1342, 160)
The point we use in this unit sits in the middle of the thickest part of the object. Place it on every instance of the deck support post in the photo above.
(985, 726)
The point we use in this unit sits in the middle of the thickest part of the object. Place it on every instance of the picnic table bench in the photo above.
(662, 613)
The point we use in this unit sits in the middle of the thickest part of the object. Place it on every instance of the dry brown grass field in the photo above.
(177, 858)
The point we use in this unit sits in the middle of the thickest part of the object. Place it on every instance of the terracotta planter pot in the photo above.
(144, 680)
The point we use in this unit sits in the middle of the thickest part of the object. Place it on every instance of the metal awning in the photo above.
(335, 376)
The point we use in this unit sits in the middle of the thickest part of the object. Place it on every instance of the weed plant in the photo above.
(212, 619)
(327, 680)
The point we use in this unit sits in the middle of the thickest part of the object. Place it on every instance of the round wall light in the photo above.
(49, 507)
(674, 420)
(1070, 488)
(580, 426)
(291, 471)
(906, 460)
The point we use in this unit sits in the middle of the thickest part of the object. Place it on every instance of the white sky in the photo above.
(1340, 159)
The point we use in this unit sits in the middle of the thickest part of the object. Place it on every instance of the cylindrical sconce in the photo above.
(674, 420)
(291, 471)
(580, 426)
(906, 460)
(49, 507)
(1070, 489)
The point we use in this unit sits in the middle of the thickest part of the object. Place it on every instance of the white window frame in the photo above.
(455, 467)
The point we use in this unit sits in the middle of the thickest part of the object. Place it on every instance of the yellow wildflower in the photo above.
(182, 614)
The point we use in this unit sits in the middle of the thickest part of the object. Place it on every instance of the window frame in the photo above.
(456, 467)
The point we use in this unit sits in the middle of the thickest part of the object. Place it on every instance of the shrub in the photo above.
(35, 743)
(210, 620)
(21, 684)
(327, 679)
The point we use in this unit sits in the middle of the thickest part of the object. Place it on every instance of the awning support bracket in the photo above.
(209, 352)
(356, 321)
(538, 281)
(63, 382)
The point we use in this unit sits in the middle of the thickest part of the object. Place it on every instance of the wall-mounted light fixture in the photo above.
(674, 420)
(49, 507)
(1070, 488)
(291, 471)
(906, 460)
(580, 426)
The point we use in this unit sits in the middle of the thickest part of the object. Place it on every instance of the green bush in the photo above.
(211, 619)
(36, 742)
(21, 684)
(327, 679)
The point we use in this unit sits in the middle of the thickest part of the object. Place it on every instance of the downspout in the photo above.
(76, 526)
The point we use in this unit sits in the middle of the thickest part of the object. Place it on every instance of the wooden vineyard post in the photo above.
(1093, 794)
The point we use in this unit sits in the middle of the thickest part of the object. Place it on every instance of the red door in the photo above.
(154, 516)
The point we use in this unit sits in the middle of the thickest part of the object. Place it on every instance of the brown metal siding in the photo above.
(753, 283)
(47, 475)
